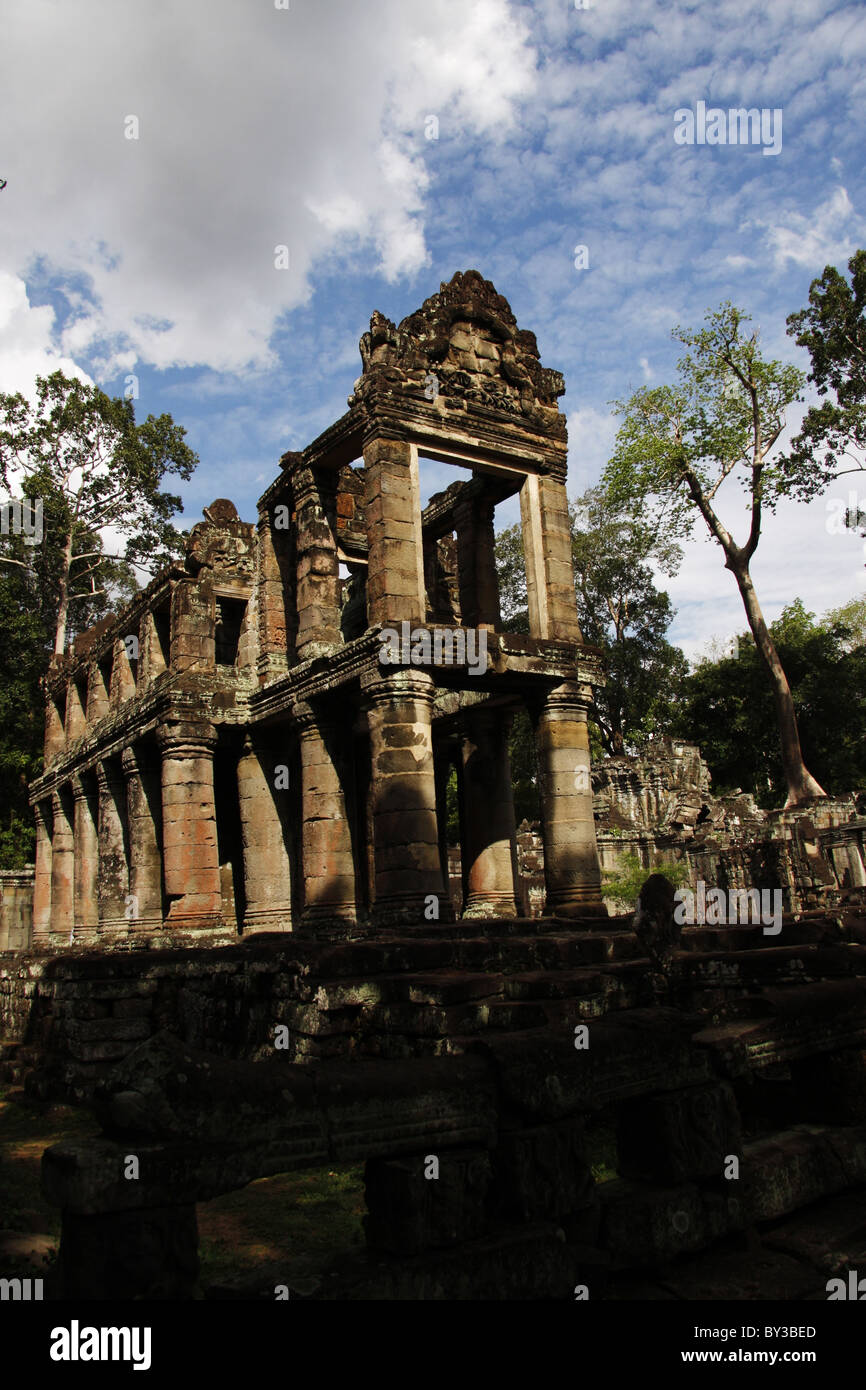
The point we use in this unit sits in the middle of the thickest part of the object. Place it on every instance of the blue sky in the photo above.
(309, 127)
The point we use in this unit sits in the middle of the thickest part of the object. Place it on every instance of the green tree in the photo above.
(727, 707)
(511, 570)
(28, 610)
(833, 328)
(625, 882)
(852, 617)
(621, 611)
(23, 656)
(81, 456)
(678, 445)
(94, 468)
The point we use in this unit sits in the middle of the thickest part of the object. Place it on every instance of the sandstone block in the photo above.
(684, 1134)
(408, 1212)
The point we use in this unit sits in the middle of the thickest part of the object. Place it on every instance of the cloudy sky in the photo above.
(158, 154)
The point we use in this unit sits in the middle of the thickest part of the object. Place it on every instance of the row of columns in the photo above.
(130, 842)
(132, 845)
(299, 582)
(408, 861)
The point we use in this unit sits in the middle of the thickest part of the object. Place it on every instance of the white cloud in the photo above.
(26, 341)
(258, 128)
(827, 234)
(591, 434)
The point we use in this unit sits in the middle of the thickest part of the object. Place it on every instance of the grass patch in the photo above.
(294, 1223)
(602, 1149)
(288, 1227)
(27, 1128)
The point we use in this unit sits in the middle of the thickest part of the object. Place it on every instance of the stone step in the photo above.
(724, 978)
(792, 1023)
(515, 945)
(780, 1173)
(767, 963)
(547, 984)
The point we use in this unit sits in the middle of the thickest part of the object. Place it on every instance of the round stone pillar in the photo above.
(42, 876)
(113, 879)
(327, 861)
(408, 872)
(86, 856)
(189, 830)
(262, 778)
(62, 864)
(571, 867)
(489, 830)
(143, 797)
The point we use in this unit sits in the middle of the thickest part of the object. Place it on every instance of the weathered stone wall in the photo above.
(660, 807)
(713, 1127)
(16, 908)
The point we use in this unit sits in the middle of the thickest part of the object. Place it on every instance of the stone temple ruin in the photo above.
(247, 956)
(232, 755)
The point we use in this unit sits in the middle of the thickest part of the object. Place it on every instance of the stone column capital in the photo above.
(311, 484)
(489, 717)
(477, 506)
(187, 740)
(106, 774)
(381, 430)
(306, 719)
(79, 786)
(399, 685)
(136, 760)
(565, 701)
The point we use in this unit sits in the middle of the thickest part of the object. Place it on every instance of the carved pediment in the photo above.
(222, 542)
(463, 344)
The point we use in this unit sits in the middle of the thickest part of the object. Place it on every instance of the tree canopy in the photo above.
(832, 438)
(679, 445)
(97, 477)
(621, 611)
(727, 706)
(96, 471)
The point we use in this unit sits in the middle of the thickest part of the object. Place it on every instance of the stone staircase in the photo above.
(460, 1041)
(434, 992)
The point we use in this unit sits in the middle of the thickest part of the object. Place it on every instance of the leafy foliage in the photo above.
(678, 446)
(852, 617)
(511, 570)
(92, 468)
(833, 328)
(624, 883)
(621, 611)
(727, 707)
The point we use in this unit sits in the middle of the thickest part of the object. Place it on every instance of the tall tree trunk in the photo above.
(802, 786)
(63, 607)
